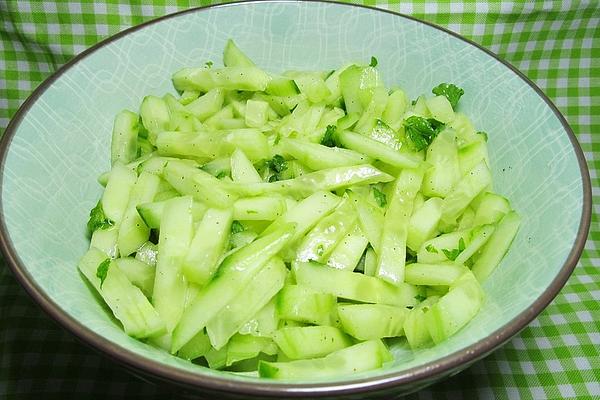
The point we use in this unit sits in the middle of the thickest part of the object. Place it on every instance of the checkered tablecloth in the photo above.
(555, 43)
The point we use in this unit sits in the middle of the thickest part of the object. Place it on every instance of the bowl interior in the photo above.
(61, 144)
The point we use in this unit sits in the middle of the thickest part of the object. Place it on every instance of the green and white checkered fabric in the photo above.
(555, 43)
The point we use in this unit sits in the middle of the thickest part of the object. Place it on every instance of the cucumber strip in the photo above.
(395, 109)
(138, 273)
(197, 347)
(423, 223)
(240, 78)
(207, 246)
(432, 251)
(370, 218)
(363, 356)
(264, 322)
(207, 105)
(349, 250)
(303, 304)
(133, 232)
(440, 109)
(310, 341)
(155, 116)
(433, 274)
(370, 262)
(497, 246)
(415, 329)
(218, 167)
(147, 253)
(204, 187)
(392, 256)
(491, 209)
(152, 213)
(216, 359)
(174, 239)
(480, 236)
(127, 302)
(348, 121)
(442, 154)
(455, 309)
(116, 195)
(464, 192)
(262, 288)
(373, 111)
(240, 239)
(282, 86)
(124, 137)
(378, 150)
(353, 285)
(320, 242)
(234, 57)
(324, 180)
(316, 156)
(372, 321)
(106, 241)
(261, 208)
(466, 220)
(193, 79)
(187, 96)
(243, 347)
(252, 141)
(306, 214)
(235, 272)
(256, 113)
(224, 113)
(199, 145)
(312, 86)
(472, 154)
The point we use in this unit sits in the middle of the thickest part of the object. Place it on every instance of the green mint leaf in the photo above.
(380, 197)
(420, 297)
(421, 131)
(451, 254)
(208, 64)
(98, 220)
(221, 175)
(329, 138)
(237, 227)
(431, 249)
(452, 92)
(102, 270)
(277, 163)
(484, 134)
(374, 62)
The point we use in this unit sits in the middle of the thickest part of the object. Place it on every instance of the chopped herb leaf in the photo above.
(98, 220)
(452, 92)
(484, 134)
(277, 139)
(102, 270)
(329, 138)
(413, 102)
(374, 62)
(320, 250)
(410, 257)
(277, 163)
(379, 197)
(452, 254)
(221, 175)
(421, 131)
(410, 307)
(208, 64)
(420, 297)
(430, 248)
(237, 227)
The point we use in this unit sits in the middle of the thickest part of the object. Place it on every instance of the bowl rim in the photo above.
(198, 380)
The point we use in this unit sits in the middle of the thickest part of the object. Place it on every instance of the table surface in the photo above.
(555, 43)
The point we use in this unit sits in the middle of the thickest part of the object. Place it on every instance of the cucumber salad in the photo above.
(292, 225)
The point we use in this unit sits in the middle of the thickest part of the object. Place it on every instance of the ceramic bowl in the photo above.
(58, 143)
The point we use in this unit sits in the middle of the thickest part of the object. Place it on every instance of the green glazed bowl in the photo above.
(58, 143)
